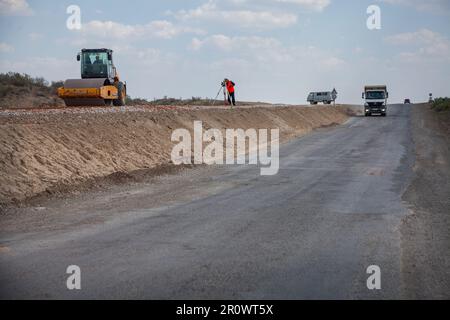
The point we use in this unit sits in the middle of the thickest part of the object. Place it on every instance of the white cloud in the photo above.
(226, 43)
(427, 43)
(423, 36)
(317, 5)
(266, 51)
(238, 18)
(358, 50)
(6, 48)
(15, 8)
(141, 57)
(35, 36)
(48, 67)
(254, 49)
(332, 62)
(436, 6)
(155, 29)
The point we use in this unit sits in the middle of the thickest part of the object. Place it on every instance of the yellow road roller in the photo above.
(99, 84)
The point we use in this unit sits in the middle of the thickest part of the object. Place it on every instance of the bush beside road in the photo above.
(441, 104)
(22, 91)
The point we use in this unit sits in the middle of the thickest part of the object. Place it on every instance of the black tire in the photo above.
(121, 101)
(368, 114)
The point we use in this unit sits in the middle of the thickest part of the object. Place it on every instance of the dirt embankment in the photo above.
(426, 231)
(45, 152)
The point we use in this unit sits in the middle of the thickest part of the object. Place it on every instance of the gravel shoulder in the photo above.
(426, 230)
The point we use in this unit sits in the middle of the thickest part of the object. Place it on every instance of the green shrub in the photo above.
(137, 101)
(3, 90)
(57, 84)
(441, 104)
(22, 80)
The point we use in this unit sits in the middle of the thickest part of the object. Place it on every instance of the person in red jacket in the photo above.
(230, 88)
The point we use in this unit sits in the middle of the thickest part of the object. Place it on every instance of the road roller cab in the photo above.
(99, 85)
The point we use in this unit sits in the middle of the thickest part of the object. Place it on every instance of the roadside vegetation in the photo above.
(17, 89)
(442, 108)
(166, 101)
(441, 104)
(194, 101)
(13, 80)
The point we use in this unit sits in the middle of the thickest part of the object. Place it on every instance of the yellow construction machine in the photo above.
(99, 84)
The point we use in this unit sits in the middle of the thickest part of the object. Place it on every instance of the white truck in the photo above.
(375, 98)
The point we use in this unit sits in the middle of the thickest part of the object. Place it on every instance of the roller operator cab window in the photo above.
(95, 65)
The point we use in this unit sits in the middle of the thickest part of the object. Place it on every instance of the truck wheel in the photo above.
(121, 101)
(368, 114)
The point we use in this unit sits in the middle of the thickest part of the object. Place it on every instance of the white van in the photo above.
(324, 97)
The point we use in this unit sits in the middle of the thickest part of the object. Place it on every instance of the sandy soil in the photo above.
(426, 231)
(48, 151)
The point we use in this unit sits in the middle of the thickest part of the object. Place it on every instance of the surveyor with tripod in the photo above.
(227, 87)
(230, 88)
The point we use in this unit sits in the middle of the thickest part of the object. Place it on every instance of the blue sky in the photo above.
(275, 50)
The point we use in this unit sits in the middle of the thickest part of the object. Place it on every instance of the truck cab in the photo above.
(375, 100)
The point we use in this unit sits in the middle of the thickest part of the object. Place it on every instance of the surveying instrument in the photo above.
(224, 90)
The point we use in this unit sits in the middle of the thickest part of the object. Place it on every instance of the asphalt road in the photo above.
(309, 232)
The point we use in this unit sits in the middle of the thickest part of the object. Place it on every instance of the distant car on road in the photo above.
(324, 97)
(407, 101)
